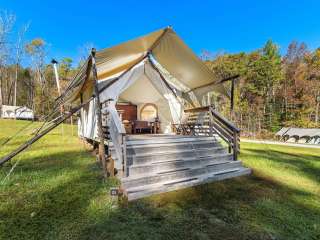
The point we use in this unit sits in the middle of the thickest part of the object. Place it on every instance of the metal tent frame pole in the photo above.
(107, 170)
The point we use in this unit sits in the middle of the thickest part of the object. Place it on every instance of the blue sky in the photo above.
(230, 26)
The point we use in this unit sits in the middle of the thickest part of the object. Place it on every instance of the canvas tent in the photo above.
(16, 112)
(165, 46)
(157, 68)
(301, 135)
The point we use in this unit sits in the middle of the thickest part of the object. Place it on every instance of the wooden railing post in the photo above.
(235, 146)
(124, 156)
(102, 153)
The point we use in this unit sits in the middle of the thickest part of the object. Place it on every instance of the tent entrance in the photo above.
(144, 101)
(142, 120)
(144, 108)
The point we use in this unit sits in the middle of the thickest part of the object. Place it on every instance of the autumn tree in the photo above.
(313, 82)
(7, 21)
(37, 50)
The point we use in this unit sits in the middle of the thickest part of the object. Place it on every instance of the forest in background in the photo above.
(273, 90)
(26, 73)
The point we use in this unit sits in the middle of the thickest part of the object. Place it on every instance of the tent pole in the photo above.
(161, 76)
(213, 83)
(102, 153)
(54, 63)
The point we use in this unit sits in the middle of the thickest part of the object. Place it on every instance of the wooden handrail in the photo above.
(224, 120)
(222, 126)
(198, 109)
(228, 128)
(215, 113)
(117, 134)
(115, 116)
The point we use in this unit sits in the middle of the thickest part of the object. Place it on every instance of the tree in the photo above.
(19, 55)
(65, 67)
(270, 75)
(37, 50)
(7, 21)
(294, 68)
(313, 84)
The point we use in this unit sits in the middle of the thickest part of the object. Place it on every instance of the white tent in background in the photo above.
(16, 112)
(300, 135)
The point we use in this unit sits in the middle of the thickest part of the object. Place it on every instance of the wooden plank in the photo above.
(199, 109)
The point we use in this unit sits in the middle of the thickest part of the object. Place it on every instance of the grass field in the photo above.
(57, 192)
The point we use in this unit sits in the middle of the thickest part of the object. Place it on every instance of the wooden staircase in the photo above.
(162, 163)
(151, 164)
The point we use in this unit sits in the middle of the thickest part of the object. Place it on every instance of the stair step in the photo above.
(154, 148)
(173, 171)
(158, 139)
(180, 181)
(154, 177)
(173, 151)
(179, 163)
(173, 155)
(147, 190)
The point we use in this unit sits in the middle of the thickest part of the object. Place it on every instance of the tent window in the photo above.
(149, 112)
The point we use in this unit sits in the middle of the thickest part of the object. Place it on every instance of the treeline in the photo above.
(273, 90)
(26, 74)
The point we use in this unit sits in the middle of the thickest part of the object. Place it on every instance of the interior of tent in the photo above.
(146, 102)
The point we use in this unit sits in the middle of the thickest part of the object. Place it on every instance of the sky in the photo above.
(215, 26)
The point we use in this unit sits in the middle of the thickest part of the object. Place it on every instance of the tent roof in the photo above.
(167, 48)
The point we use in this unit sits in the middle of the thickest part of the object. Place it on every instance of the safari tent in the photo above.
(160, 131)
(300, 135)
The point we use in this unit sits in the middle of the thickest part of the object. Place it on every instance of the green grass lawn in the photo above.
(57, 192)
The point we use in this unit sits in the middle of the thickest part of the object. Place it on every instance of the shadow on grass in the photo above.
(241, 208)
(49, 197)
(73, 204)
(50, 164)
(303, 163)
